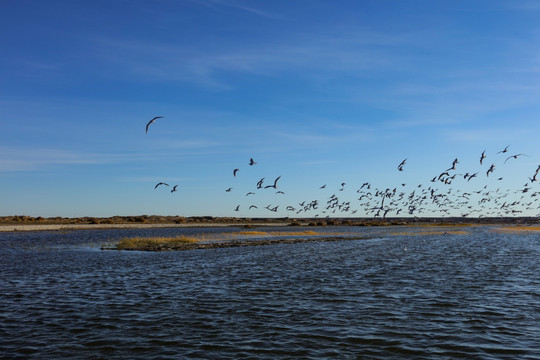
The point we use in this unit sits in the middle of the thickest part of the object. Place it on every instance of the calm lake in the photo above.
(393, 296)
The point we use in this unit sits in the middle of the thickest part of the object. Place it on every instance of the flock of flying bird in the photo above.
(424, 200)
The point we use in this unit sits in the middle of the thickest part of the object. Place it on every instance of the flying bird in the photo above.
(400, 166)
(504, 151)
(151, 121)
(160, 183)
(174, 188)
(228, 190)
(235, 171)
(251, 162)
(454, 163)
(483, 156)
(491, 168)
(275, 184)
(514, 156)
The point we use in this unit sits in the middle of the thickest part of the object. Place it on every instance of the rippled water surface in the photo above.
(392, 296)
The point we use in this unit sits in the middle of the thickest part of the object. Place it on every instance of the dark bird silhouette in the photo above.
(251, 162)
(237, 208)
(322, 187)
(400, 166)
(504, 151)
(483, 156)
(151, 121)
(490, 170)
(259, 183)
(253, 207)
(174, 188)
(280, 192)
(275, 183)
(514, 156)
(250, 193)
(235, 171)
(228, 190)
(454, 163)
(160, 183)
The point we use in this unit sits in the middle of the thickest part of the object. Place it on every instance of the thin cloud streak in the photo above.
(175, 62)
(20, 159)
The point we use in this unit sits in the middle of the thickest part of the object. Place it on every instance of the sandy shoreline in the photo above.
(62, 227)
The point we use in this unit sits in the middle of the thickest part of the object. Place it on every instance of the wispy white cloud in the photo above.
(21, 159)
(240, 6)
(316, 55)
(152, 179)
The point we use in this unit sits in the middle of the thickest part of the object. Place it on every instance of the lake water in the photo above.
(474, 296)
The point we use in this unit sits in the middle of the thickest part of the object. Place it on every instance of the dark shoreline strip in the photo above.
(243, 243)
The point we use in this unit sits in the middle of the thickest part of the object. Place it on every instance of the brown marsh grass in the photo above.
(517, 229)
(154, 243)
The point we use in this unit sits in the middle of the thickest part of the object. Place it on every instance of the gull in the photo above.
(253, 206)
(442, 174)
(237, 208)
(400, 166)
(514, 156)
(161, 183)
(491, 168)
(259, 184)
(322, 187)
(483, 156)
(228, 190)
(151, 121)
(504, 151)
(235, 171)
(453, 165)
(251, 161)
(275, 183)
(280, 192)
(250, 193)
(174, 188)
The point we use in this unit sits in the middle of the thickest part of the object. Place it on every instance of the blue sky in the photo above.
(317, 92)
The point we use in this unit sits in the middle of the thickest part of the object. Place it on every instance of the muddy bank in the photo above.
(242, 243)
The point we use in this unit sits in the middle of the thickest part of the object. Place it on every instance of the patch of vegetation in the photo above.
(517, 229)
(154, 243)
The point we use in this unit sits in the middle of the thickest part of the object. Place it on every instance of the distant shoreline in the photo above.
(60, 227)
(28, 223)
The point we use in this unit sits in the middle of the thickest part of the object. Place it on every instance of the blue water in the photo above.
(474, 296)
